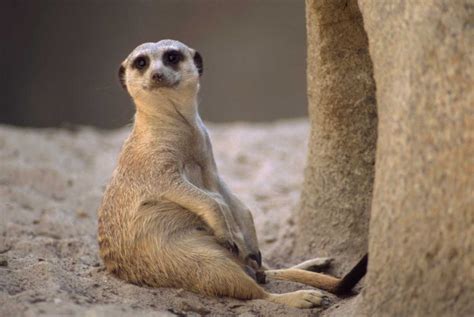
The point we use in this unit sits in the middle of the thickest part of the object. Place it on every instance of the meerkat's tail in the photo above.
(338, 286)
(351, 279)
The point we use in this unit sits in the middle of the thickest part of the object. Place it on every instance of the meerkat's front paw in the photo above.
(228, 244)
(300, 299)
(234, 243)
(316, 264)
(255, 260)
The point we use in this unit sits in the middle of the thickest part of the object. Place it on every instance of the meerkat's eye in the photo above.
(140, 62)
(172, 57)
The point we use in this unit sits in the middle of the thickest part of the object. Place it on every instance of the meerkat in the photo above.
(167, 219)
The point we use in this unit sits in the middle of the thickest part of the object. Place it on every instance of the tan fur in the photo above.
(321, 281)
(167, 219)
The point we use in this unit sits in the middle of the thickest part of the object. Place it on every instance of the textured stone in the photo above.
(334, 213)
(421, 242)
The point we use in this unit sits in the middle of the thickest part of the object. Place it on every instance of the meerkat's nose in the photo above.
(157, 77)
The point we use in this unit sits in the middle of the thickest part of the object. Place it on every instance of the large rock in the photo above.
(421, 242)
(336, 198)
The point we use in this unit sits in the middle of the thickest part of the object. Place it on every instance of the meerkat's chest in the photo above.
(199, 150)
(199, 163)
(197, 171)
(195, 174)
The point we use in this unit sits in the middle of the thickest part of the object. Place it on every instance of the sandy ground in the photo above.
(51, 183)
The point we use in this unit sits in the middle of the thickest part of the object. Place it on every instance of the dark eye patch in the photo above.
(198, 62)
(121, 75)
(172, 58)
(141, 62)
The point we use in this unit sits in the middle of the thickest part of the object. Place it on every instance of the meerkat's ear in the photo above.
(121, 75)
(198, 62)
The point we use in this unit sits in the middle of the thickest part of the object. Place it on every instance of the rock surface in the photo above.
(339, 175)
(51, 183)
(421, 242)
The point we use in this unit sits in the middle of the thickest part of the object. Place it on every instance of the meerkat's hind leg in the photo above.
(338, 286)
(318, 280)
(314, 265)
(201, 265)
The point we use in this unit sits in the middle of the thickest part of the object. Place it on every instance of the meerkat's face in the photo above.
(167, 67)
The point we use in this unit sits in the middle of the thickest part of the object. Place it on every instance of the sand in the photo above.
(51, 183)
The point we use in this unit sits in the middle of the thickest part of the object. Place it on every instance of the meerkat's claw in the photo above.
(325, 302)
(261, 277)
(234, 248)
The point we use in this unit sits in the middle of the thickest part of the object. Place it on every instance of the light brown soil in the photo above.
(51, 183)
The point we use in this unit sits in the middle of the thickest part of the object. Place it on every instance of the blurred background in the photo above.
(59, 58)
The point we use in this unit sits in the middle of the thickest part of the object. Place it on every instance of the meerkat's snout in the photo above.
(157, 77)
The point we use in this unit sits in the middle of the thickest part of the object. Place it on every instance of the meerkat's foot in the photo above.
(300, 299)
(316, 264)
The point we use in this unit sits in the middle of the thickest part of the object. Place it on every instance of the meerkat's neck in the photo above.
(167, 113)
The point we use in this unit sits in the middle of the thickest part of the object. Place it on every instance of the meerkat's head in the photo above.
(166, 69)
